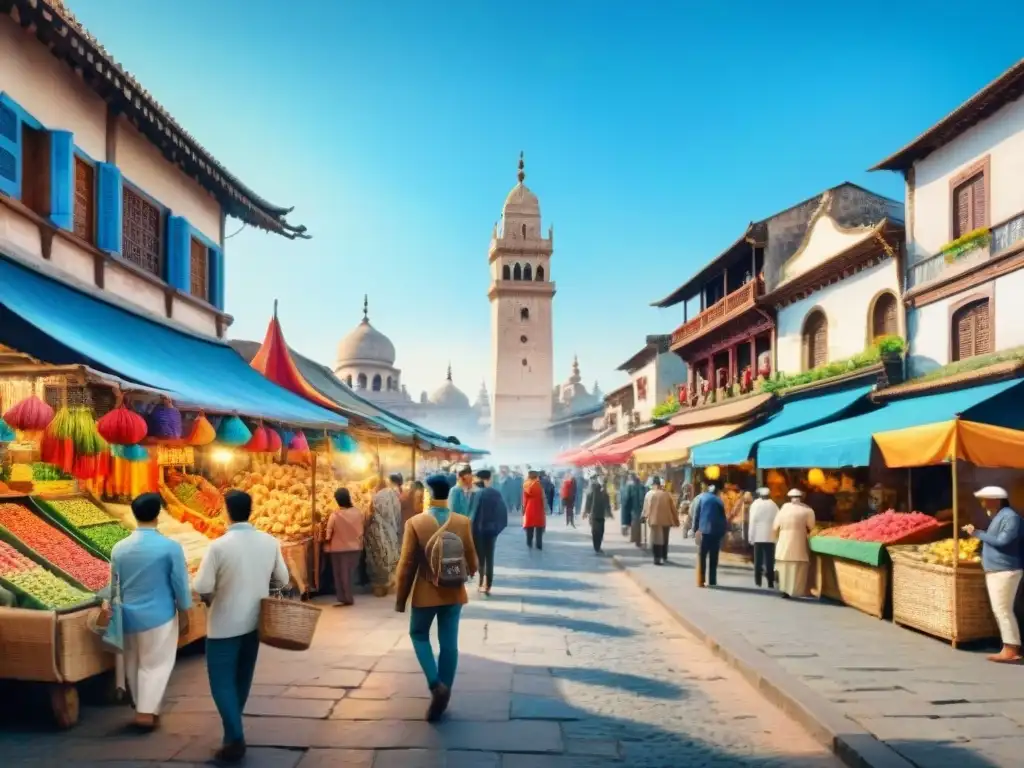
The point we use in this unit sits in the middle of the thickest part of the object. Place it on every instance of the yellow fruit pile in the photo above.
(941, 552)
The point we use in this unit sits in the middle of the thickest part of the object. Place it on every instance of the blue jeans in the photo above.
(230, 665)
(443, 670)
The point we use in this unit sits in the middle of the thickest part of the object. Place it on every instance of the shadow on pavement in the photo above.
(526, 580)
(480, 611)
(547, 601)
(636, 684)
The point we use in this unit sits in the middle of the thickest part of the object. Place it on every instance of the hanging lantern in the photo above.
(233, 432)
(299, 442)
(274, 442)
(202, 432)
(816, 478)
(6, 433)
(713, 472)
(30, 415)
(259, 442)
(122, 426)
(165, 421)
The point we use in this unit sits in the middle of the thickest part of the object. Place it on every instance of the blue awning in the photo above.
(795, 415)
(847, 443)
(59, 324)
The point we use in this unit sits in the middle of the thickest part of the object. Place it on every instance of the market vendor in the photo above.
(1001, 560)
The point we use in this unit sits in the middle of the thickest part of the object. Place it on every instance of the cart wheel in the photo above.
(64, 704)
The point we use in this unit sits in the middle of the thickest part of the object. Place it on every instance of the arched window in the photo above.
(540, 274)
(527, 272)
(972, 330)
(815, 340)
(348, 381)
(506, 273)
(883, 317)
(376, 382)
(524, 231)
(391, 384)
(517, 272)
(361, 381)
(524, 314)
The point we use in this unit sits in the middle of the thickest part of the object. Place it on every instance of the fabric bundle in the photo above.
(233, 432)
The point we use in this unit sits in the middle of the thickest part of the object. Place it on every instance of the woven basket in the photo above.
(922, 598)
(860, 586)
(287, 624)
(28, 641)
(80, 651)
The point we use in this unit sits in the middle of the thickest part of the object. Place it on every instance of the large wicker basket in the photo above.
(922, 598)
(860, 586)
(287, 624)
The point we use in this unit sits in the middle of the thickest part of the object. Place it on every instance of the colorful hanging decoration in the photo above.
(122, 426)
(233, 432)
(30, 415)
(287, 436)
(274, 442)
(344, 443)
(299, 442)
(165, 421)
(259, 442)
(202, 432)
(7, 434)
(130, 452)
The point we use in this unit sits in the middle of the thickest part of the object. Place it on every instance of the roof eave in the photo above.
(680, 293)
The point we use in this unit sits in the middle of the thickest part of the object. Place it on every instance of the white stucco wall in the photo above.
(847, 306)
(929, 327)
(1002, 138)
(644, 407)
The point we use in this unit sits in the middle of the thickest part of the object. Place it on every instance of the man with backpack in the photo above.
(438, 558)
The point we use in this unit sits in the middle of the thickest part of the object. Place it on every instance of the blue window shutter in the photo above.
(109, 205)
(216, 266)
(10, 151)
(62, 179)
(179, 253)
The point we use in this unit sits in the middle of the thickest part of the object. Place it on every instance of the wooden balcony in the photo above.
(733, 305)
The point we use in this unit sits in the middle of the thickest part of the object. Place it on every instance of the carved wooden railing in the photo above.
(736, 302)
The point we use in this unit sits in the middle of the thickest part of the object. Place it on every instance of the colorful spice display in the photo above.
(54, 547)
(34, 580)
(105, 536)
(886, 528)
(80, 512)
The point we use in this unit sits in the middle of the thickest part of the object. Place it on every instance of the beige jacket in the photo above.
(659, 510)
(792, 526)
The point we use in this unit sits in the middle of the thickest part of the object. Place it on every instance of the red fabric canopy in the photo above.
(274, 361)
(620, 451)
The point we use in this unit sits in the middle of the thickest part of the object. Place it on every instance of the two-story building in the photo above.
(965, 228)
(101, 187)
(655, 373)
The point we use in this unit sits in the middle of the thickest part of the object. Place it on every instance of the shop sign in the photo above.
(183, 455)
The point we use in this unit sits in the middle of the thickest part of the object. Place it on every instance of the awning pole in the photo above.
(910, 489)
(956, 531)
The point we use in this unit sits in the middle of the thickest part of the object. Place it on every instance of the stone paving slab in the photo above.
(931, 704)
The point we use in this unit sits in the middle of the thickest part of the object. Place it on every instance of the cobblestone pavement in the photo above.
(568, 664)
(935, 706)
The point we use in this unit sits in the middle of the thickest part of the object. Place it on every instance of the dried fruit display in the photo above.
(196, 493)
(54, 546)
(33, 579)
(81, 513)
(941, 552)
(105, 536)
(12, 561)
(885, 528)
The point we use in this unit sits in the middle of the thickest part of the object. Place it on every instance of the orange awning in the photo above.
(983, 445)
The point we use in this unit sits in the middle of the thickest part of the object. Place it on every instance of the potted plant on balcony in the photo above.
(890, 351)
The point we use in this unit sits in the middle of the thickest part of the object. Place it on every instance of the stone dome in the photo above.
(450, 396)
(521, 201)
(365, 344)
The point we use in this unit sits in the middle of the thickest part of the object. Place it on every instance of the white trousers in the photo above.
(1002, 591)
(148, 662)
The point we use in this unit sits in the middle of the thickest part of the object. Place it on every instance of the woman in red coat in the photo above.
(534, 517)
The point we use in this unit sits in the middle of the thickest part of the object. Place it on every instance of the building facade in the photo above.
(965, 228)
(101, 187)
(655, 374)
(521, 294)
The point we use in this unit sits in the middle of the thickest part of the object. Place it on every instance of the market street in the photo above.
(567, 664)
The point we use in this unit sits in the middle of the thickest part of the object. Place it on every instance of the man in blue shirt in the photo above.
(1001, 560)
(153, 577)
(460, 494)
(710, 522)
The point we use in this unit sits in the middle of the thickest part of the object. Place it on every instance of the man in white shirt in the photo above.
(233, 578)
(761, 535)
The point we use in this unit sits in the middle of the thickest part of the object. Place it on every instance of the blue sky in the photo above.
(653, 132)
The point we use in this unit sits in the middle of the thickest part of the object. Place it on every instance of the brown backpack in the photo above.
(445, 558)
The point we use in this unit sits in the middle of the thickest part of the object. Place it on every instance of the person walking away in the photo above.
(488, 518)
(683, 507)
(459, 495)
(436, 592)
(235, 575)
(1001, 561)
(632, 509)
(761, 534)
(344, 543)
(153, 577)
(661, 515)
(381, 538)
(694, 504)
(792, 527)
(598, 507)
(412, 504)
(534, 518)
(568, 494)
(710, 523)
(549, 492)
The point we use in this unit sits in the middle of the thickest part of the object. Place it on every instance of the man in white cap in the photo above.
(1001, 560)
(792, 527)
(760, 533)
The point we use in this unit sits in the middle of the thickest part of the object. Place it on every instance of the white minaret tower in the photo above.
(521, 296)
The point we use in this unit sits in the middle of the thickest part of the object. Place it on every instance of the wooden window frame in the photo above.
(871, 315)
(40, 188)
(193, 241)
(89, 234)
(161, 273)
(987, 291)
(983, 167)
(805, 346)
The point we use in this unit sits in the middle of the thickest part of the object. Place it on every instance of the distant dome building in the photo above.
(448, 396)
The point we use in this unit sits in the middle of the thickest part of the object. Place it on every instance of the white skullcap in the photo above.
(763, 492)
(796, 493)
(991, 492)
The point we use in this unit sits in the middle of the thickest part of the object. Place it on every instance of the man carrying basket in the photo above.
(233, 579)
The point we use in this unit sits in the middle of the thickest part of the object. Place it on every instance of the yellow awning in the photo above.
(675, 448)
(983, 445)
